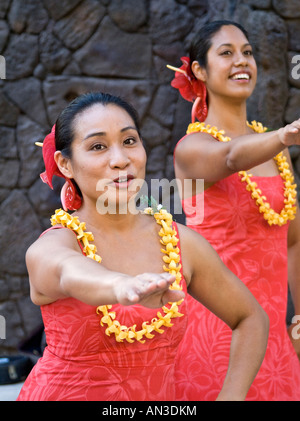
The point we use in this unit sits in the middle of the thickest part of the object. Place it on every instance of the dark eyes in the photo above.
(228, 52)
(130, 141)
(99, 146)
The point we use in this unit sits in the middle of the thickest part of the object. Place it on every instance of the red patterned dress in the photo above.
(82, 363)
(257, 253)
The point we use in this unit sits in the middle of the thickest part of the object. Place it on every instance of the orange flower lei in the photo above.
(273, 218)
(171, 257)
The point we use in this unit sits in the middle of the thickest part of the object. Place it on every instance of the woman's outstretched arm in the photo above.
(200, 156)
(57, 269)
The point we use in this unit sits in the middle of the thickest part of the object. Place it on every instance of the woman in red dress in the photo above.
(113, 323)
(251, 220)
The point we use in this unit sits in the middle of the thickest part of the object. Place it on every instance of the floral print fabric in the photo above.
(257, 254)
(81, 363)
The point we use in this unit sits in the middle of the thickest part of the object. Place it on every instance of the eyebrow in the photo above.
(104, 133)
(247, 44)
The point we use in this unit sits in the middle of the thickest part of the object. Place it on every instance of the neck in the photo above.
(122, 221)
(230, 116)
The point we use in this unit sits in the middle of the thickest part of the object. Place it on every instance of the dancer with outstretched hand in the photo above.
(112, 285)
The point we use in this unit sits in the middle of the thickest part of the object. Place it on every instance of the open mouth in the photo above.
(123, 181)
(240, 76)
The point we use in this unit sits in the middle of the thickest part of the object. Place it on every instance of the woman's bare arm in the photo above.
(200, 156)
(57, 269)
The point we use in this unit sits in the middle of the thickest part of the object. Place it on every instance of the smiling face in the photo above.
(231, 68)
(107, 154)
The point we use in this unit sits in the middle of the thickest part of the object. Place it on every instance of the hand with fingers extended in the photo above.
(148, 289)
(290, 134)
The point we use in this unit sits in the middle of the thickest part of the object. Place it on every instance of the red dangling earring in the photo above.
(199, 108)
(69, 197)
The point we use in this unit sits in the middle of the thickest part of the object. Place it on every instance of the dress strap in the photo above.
(49, 229)
(60, 227)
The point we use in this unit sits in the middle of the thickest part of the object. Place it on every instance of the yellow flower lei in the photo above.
(171, 257)
(273, 218)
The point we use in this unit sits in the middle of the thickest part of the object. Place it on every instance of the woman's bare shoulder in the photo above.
(43, 258)
(190, 238)
(194, 249)
(52, 240)
(194, 140)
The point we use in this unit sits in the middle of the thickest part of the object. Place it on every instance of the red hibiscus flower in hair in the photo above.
(69, 196)
(191, 89)
(48, 156)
